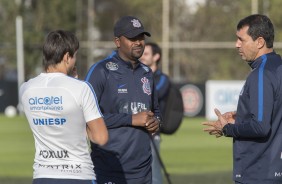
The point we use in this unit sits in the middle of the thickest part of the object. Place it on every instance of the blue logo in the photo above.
(49, 121)
(52, 100)
(121, 85)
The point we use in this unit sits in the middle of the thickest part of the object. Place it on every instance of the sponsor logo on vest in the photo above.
(76, 168)
(53, 103)
(138, 107)
(49, 121)
(54, 154)
(52, 100)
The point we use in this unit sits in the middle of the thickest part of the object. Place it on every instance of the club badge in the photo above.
(136, 23)
(146, 86)
(111, 66)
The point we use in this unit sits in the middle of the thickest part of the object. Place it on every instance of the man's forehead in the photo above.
(243, 30)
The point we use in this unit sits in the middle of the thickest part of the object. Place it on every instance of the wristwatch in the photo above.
(159, 119)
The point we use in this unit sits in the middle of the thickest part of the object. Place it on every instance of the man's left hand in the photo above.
(153, 125)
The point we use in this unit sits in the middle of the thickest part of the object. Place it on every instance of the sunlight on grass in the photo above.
(16, 147)
(190, 150)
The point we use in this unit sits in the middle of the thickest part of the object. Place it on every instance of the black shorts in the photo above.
(61, 181)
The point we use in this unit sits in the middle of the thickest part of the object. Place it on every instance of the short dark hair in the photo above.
(155, 49)
(56, 45)
(259, 26)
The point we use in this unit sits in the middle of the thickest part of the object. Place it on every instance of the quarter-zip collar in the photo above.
(128, 64)
(256, 63)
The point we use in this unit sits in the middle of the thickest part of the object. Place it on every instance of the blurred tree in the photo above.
(8, 12)
(212, 21)
(149, 12)
(40, 18)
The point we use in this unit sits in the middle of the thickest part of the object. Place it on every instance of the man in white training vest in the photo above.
(62, 112)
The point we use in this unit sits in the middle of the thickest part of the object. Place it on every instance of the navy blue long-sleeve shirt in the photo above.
(257, 131)
(122, 91)
(162, 86)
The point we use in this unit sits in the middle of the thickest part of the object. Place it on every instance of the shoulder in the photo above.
(271, 61)
(163, 75)
(72, 82)
(76, 87)
(160, 74)
(100, 68)
(100, 64)
(33, 82)
(145, 68)
(271, 65)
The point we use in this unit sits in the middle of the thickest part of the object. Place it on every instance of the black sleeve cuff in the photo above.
(225, 130)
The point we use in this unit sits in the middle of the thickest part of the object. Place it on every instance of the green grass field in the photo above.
(191, 156)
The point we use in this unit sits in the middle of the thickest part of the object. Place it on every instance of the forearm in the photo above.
(117, 120)
(251, 129)
(97, 131)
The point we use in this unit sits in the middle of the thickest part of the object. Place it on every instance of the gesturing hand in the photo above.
(230, 116)
(215, 127)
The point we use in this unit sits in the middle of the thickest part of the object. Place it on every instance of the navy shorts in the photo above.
(61, 181)
(106, 179)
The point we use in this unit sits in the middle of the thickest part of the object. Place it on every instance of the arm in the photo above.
(258, 125)
(97, 131)
(162, 86)
(153, 124)
(260, 111)
(97, 78)
(96, 128)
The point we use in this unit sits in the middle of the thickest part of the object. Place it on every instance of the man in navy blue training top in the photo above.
(127, 99)
(152, 58)
(256, 127)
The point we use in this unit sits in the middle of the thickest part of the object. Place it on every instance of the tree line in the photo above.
(211, 21)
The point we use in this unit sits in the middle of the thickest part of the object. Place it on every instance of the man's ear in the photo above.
(156, 57)
(260, 42)
(117, 42)
(66, 58)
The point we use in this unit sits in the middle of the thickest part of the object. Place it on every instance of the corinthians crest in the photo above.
(111, 66)
(146, 86)
(136, 23)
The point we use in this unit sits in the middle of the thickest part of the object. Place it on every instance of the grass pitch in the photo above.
(190, 156)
